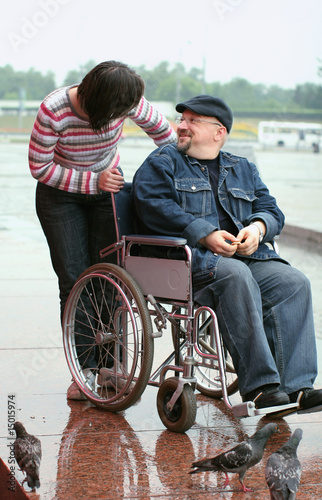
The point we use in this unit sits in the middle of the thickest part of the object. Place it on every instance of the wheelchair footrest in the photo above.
(311, 410)
(244, 409)
(248, 409)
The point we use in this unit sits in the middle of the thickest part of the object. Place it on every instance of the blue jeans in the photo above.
(77, 227)
(264, 311)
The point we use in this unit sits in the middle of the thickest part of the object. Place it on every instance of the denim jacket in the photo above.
(172, 196)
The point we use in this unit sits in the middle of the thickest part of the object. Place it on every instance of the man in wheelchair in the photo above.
(218, 202)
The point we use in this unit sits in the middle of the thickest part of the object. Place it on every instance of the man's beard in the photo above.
(183, 148)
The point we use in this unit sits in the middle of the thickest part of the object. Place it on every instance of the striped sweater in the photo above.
(65, 153)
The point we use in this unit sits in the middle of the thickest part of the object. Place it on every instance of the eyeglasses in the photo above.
(193, 121)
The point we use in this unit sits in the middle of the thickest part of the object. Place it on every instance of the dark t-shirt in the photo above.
(225, 221)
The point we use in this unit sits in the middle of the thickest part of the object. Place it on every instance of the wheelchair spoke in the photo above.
(108, 337)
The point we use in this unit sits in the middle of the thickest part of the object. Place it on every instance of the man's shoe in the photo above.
(307, 398)
(266, 396)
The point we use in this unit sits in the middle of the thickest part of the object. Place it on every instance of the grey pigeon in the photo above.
(28, 455)
(283, 469)
(240, 458)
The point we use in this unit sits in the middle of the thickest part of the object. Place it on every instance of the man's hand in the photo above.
(111, 180)
(221, 243)
(249, 238)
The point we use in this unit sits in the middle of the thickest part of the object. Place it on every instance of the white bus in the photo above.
(297, 135)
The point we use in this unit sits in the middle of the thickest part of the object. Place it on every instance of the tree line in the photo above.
(174, 83)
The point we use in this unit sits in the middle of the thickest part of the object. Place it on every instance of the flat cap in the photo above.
(209, 106)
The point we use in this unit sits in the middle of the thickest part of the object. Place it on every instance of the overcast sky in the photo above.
(265, 41)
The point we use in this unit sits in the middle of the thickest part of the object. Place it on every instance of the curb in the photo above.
(311, 237)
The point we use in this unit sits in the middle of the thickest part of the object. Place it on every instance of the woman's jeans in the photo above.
(264, 311)
(77, 227)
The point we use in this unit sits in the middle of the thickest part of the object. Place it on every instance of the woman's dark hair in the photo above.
(109, 91)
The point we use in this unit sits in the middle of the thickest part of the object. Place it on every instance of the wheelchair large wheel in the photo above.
(206, 370)
(183, 414)
(107, 334)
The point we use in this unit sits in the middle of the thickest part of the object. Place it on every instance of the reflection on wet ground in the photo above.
(89, 453)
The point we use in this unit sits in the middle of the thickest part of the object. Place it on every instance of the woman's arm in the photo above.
(44, 152)
(154, 124)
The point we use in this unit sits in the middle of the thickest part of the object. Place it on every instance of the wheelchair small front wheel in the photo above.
(183, 414)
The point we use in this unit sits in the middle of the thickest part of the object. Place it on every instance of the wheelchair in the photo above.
(109, 335)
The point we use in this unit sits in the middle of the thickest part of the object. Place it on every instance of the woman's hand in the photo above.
(111, 180)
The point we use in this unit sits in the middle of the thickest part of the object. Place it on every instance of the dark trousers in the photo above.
(77, 227)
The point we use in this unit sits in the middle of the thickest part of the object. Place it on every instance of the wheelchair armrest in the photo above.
(168, 241)
(274, 245)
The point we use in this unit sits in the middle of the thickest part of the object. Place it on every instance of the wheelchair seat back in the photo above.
(123, 212)
(169, 279)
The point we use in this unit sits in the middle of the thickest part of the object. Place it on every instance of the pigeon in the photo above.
(283, 469)
(28, 455)
(240, 458)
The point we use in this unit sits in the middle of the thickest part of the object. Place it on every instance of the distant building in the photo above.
(14, 107)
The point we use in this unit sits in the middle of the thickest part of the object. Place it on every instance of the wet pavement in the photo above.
(91, 454)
